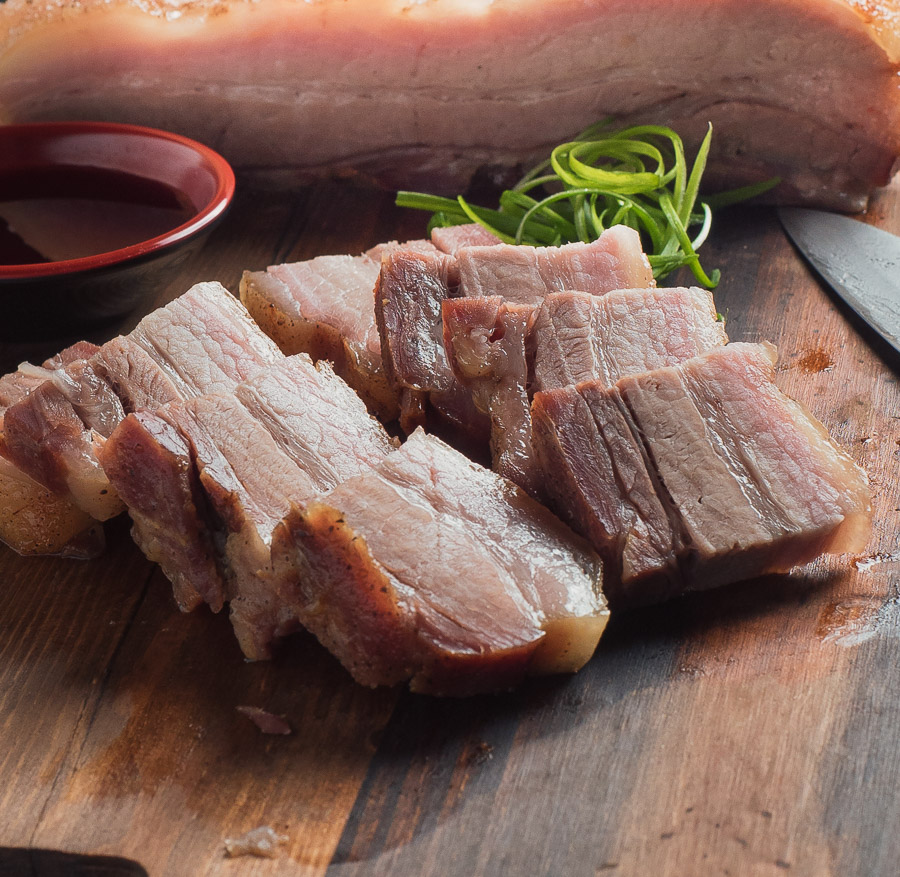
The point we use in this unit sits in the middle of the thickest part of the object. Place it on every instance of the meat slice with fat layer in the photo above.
(700, 474)
(503, 351)
(486, 341)
(207, 479)
(203, 341)
(412, 288)
(33, 519)
(325, 307)
(432, 569)
(527, 275)
(578, 337)
(449, 239)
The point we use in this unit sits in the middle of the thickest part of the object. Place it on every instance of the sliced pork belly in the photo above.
(696, 475)
(578, 337)
(422, 94)
(432, 569)
(207, 479)
(502, 351)
(33, 520)
(203, 341)
(486, 341)
(528, 274)
(412, 288)
(451, 238)
(149, 465)
(325, 307)
(52, 436)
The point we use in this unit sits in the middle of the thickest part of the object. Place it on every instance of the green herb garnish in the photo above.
(637, 177)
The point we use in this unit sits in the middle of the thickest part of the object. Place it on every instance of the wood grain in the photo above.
(752, 731)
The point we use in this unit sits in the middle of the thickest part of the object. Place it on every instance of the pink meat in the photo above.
(431, 569)
(424, 93)
(33, 519)
(697, 475)
(207, 480)
(203, 341)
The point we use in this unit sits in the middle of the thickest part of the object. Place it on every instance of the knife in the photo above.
(861, 263)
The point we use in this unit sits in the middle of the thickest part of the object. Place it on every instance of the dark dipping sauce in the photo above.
(71, 212)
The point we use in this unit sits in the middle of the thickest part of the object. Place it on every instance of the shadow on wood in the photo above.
(50, 863)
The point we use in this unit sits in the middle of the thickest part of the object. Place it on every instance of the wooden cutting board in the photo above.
(752, 731)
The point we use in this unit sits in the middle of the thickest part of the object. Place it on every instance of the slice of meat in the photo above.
(578, 337)
(33, 520)
(528, 274)
(599, 480)
(248, 483)
(451, 238)
(418, 95)
(149, 465)
(697, 475)
(502, 351)
(409, 293)
(15, 386)
(486, 341)
(807, 493)
(203, 341)
(412, 288)
(207, 479)
(431, 569)
(325, 307)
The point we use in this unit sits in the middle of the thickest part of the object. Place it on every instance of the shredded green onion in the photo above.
(636, 176)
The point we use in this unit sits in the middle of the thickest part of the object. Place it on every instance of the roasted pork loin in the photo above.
(432, 569)
(422, 94)
(697, 475)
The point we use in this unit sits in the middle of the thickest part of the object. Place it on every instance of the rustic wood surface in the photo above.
(752, 731)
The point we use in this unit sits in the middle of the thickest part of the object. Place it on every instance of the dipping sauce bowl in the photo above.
(96, 216)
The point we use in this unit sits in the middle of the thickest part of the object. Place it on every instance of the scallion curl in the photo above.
(637, 176)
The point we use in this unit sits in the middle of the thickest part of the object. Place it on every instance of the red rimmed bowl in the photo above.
(95, 216)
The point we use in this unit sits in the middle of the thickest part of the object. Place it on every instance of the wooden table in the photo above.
(753, 731)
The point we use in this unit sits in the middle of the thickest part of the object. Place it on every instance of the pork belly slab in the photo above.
(34, 520)
(503, 351)
(431, 569)
(424, 93)
(207, 479)
(697, 475)
(203, 341)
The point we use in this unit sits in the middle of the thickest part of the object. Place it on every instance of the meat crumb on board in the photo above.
(262, 842)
